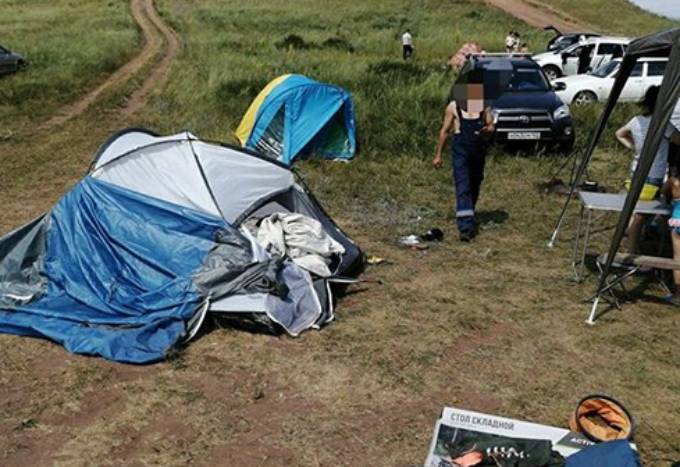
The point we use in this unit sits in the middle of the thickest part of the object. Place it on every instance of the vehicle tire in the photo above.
(21, 65)
(552, 72)
(584, 98)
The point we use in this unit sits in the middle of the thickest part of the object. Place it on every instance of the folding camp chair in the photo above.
(625, 266)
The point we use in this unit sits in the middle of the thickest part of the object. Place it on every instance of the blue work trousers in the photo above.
(469, 154)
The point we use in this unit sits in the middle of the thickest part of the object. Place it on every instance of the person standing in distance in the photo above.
(470, 122)
(509, 42)
(407, 44)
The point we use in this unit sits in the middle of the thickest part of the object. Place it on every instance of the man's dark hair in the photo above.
(649, 101)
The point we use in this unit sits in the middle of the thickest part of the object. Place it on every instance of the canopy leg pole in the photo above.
(577, 240)
(586, 238)
(591, 318)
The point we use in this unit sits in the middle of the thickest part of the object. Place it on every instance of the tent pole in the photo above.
(624, 72)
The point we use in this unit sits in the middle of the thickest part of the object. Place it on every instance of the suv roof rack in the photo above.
(499, 55)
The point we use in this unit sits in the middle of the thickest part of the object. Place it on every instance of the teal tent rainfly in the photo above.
(296, 117)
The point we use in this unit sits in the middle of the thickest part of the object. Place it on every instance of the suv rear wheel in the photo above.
(552, 72)
(584, 98)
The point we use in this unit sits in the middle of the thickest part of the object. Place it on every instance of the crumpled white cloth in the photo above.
(301, 238)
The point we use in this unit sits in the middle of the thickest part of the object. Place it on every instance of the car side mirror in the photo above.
(559, 86)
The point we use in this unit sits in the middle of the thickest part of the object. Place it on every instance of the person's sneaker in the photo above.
(467, 236)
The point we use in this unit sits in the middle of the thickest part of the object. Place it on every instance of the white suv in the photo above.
(565, 62)
(596, 86)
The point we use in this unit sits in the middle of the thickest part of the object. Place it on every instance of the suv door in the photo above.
(604, 52)
(570, 60)
(655, 71)
(635, 86)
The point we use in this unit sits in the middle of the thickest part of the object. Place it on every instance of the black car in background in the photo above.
(525, 106)
(10, 62)
(563, 40)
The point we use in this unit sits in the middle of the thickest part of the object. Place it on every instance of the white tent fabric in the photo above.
(238, 182)
(166, 171)
(234, 183)
(256, 302)
(131, 140)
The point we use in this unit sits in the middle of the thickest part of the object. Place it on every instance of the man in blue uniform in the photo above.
(470, 122)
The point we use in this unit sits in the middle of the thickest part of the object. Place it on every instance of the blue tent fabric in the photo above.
(119, 268)
(608, 454)
(309, 106)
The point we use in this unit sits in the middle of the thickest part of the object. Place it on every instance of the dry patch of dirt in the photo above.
(159, 39)
(537, 14)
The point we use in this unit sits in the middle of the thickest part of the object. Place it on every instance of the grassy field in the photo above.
(495, 326)
(70, 46)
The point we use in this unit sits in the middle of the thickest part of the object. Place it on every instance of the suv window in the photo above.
(3, 50)
(525, 78)
(610, 49)
(656, 68)
(637, 70)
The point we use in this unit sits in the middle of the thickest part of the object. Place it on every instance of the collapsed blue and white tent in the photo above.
(297, 117)
(129, 262)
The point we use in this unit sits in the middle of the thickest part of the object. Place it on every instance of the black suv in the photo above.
(526, 107)
(10, 61)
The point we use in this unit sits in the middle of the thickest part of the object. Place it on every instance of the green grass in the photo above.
(232, 53)
(69, 45)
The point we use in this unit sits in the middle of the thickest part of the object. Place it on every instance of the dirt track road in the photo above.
(159, 39)
(537, 14)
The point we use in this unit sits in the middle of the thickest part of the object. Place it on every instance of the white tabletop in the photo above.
(615, 201)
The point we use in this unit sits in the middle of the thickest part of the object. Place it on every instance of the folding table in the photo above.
(604, 202)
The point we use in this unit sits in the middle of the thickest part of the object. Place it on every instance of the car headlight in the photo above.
(561, 112)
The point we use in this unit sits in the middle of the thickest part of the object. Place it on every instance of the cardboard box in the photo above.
(460, 426)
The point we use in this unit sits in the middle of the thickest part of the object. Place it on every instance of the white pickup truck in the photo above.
(596, 86)
(596, 50)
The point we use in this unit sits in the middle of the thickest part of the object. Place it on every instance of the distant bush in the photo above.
(337, 43)
(293, 41)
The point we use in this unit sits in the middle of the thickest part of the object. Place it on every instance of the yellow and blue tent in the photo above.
(297, 117)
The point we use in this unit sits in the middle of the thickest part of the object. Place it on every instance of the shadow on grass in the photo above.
(643, 283)
(495, 216)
